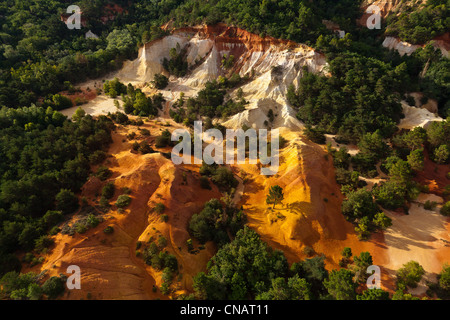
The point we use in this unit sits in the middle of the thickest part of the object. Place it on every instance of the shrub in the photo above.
(315, 135)
(135, 146)
(103, 173)
(123, 201)
(51, 218)
(145, 132)
(347, 253)
(53, 287)
(162, 242)
(53, 231)
(164, 139)
(390, 195)
(308, 251)
(108, 230)
(97, 157)
(444, 278)
(160, 81)
(445, 210)
(441, 154)
(104, 203)
(224, 179)
(160, 207)
(164, 218)
(80, 228)
(145, 148)
(429, 205)
(108, 190)
(204, 183)
(43, 242)
(92, 221)
(409, 275)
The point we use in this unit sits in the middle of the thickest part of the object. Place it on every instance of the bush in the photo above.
(66, 201)
(429, 205)
(409, 275)
(445, 210)
(97, 157)
(315, 135)
(162, 242)
(359, 204)
(52, 218)
(104, 203)
(444, 278)
(390, 195)
(224, 179)
(123, 201)
(164, 218)
(441, 154)
(159, 208)
(80, 228)
(145, 132)
(43, 242)
(145, 148)
(108, 230)
(108, 190)
(114, 88)
(164, 139)
(204, 183)
(53, 287)
(160, 81)
(347, 253)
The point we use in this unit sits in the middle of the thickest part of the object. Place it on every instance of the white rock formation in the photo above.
(272, 67)
(407, 48)
(416, 117)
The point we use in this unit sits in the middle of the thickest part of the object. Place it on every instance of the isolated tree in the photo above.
(275, 195)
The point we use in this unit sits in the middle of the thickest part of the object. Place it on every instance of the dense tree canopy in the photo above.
(45, 160)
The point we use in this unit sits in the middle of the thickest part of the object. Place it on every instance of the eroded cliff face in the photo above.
(394, 7)
(389, 6)
(309, 216)
(271, 64)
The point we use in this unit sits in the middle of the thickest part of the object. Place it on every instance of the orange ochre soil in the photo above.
(309, 216)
